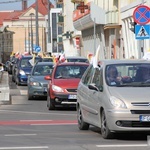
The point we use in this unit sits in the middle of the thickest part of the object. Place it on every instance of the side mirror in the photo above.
(93, 87)
(47, 77)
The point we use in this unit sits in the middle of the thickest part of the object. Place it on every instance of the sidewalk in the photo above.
(4, 89)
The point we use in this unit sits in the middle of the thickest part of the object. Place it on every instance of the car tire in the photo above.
(17, 81)
(81, 124)
(13, 79)
(50, 105)
(105, 132)
(30, 97)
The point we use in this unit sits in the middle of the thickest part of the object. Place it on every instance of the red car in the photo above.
(64, 80)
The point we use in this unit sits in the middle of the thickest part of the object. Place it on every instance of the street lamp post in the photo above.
(32, 14)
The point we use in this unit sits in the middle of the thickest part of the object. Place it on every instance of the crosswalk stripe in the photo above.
(23, 92)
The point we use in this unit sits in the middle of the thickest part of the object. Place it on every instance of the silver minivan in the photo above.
(115, 96)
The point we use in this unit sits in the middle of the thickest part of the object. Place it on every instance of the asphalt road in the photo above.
(28, 125)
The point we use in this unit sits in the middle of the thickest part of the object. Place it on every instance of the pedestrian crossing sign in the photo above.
(142, 31)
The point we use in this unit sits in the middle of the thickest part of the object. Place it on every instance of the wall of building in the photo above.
(133, 47)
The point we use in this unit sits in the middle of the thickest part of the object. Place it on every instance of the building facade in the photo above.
(132, 46)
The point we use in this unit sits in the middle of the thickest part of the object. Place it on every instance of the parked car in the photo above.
(76, 59)
(62, 87)
(115, 97)
(23, 69)
(10, 64)
(37, 85)
(14, 68)
(6, 65)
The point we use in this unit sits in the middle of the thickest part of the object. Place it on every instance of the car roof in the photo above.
(72, 63)
(75, 57)
(44, 63)
(123, 61)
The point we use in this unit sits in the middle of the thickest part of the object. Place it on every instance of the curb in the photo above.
(4, 89)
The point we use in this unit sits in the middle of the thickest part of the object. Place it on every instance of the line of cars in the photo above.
(114, 103)
(42, 82)
(59, 91)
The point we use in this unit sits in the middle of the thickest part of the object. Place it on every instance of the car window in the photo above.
(25, 63)
(72, 71)
(89, 75)
(98, 79)
(42, 70)
(128, 75)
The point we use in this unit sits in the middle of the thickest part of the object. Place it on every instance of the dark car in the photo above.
(10, 64)
(6, 65)
(76, 59)
(14, 68)
(63, 84)
(37, 85)
(23, 69)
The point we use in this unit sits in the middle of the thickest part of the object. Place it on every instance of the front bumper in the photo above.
(64, 99)
(125, 120)
(37, 91)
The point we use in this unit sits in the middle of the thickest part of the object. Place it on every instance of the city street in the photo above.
(30, 125)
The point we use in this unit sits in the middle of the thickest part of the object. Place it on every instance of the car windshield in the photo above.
(42, 70)
(73, 71)
(28, 62)
(137, 75)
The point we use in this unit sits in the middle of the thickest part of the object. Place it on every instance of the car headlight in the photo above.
(57, 88)
(22, 72)
(34, 83)
(117, 102)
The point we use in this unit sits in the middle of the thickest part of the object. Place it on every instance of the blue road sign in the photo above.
(142, 31)
(141, 15)
(37, 49)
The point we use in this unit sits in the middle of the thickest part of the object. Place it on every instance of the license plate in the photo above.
(72, 97)
(144, 118)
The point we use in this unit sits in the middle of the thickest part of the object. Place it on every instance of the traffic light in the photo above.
(133, 24)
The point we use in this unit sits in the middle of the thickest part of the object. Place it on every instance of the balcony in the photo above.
(112, 17)
(60, 1)
(60, 19)
(59, 39)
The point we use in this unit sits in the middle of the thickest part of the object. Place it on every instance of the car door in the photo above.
(83, 93)
(94, 101)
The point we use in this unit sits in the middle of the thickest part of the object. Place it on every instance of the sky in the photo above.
(15, 4)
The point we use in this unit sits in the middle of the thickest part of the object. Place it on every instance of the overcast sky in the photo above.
(14, 5)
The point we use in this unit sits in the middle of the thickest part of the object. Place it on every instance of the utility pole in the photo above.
(32, 14)
(49, 28)
(29, 39)
(37, 25)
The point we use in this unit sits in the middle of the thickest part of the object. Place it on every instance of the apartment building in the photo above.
(24, 25)
(6, 43)
(107, 24)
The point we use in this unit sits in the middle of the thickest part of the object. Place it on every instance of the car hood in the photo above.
(67, 83)
(39, 79)
(132, 94)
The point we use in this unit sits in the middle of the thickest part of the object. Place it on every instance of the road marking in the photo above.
(41, 113)
(20, 134)
(38, 122)
(31, 147)
(130, 145)
(23, 92)
(54, 124)
(34, 120)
